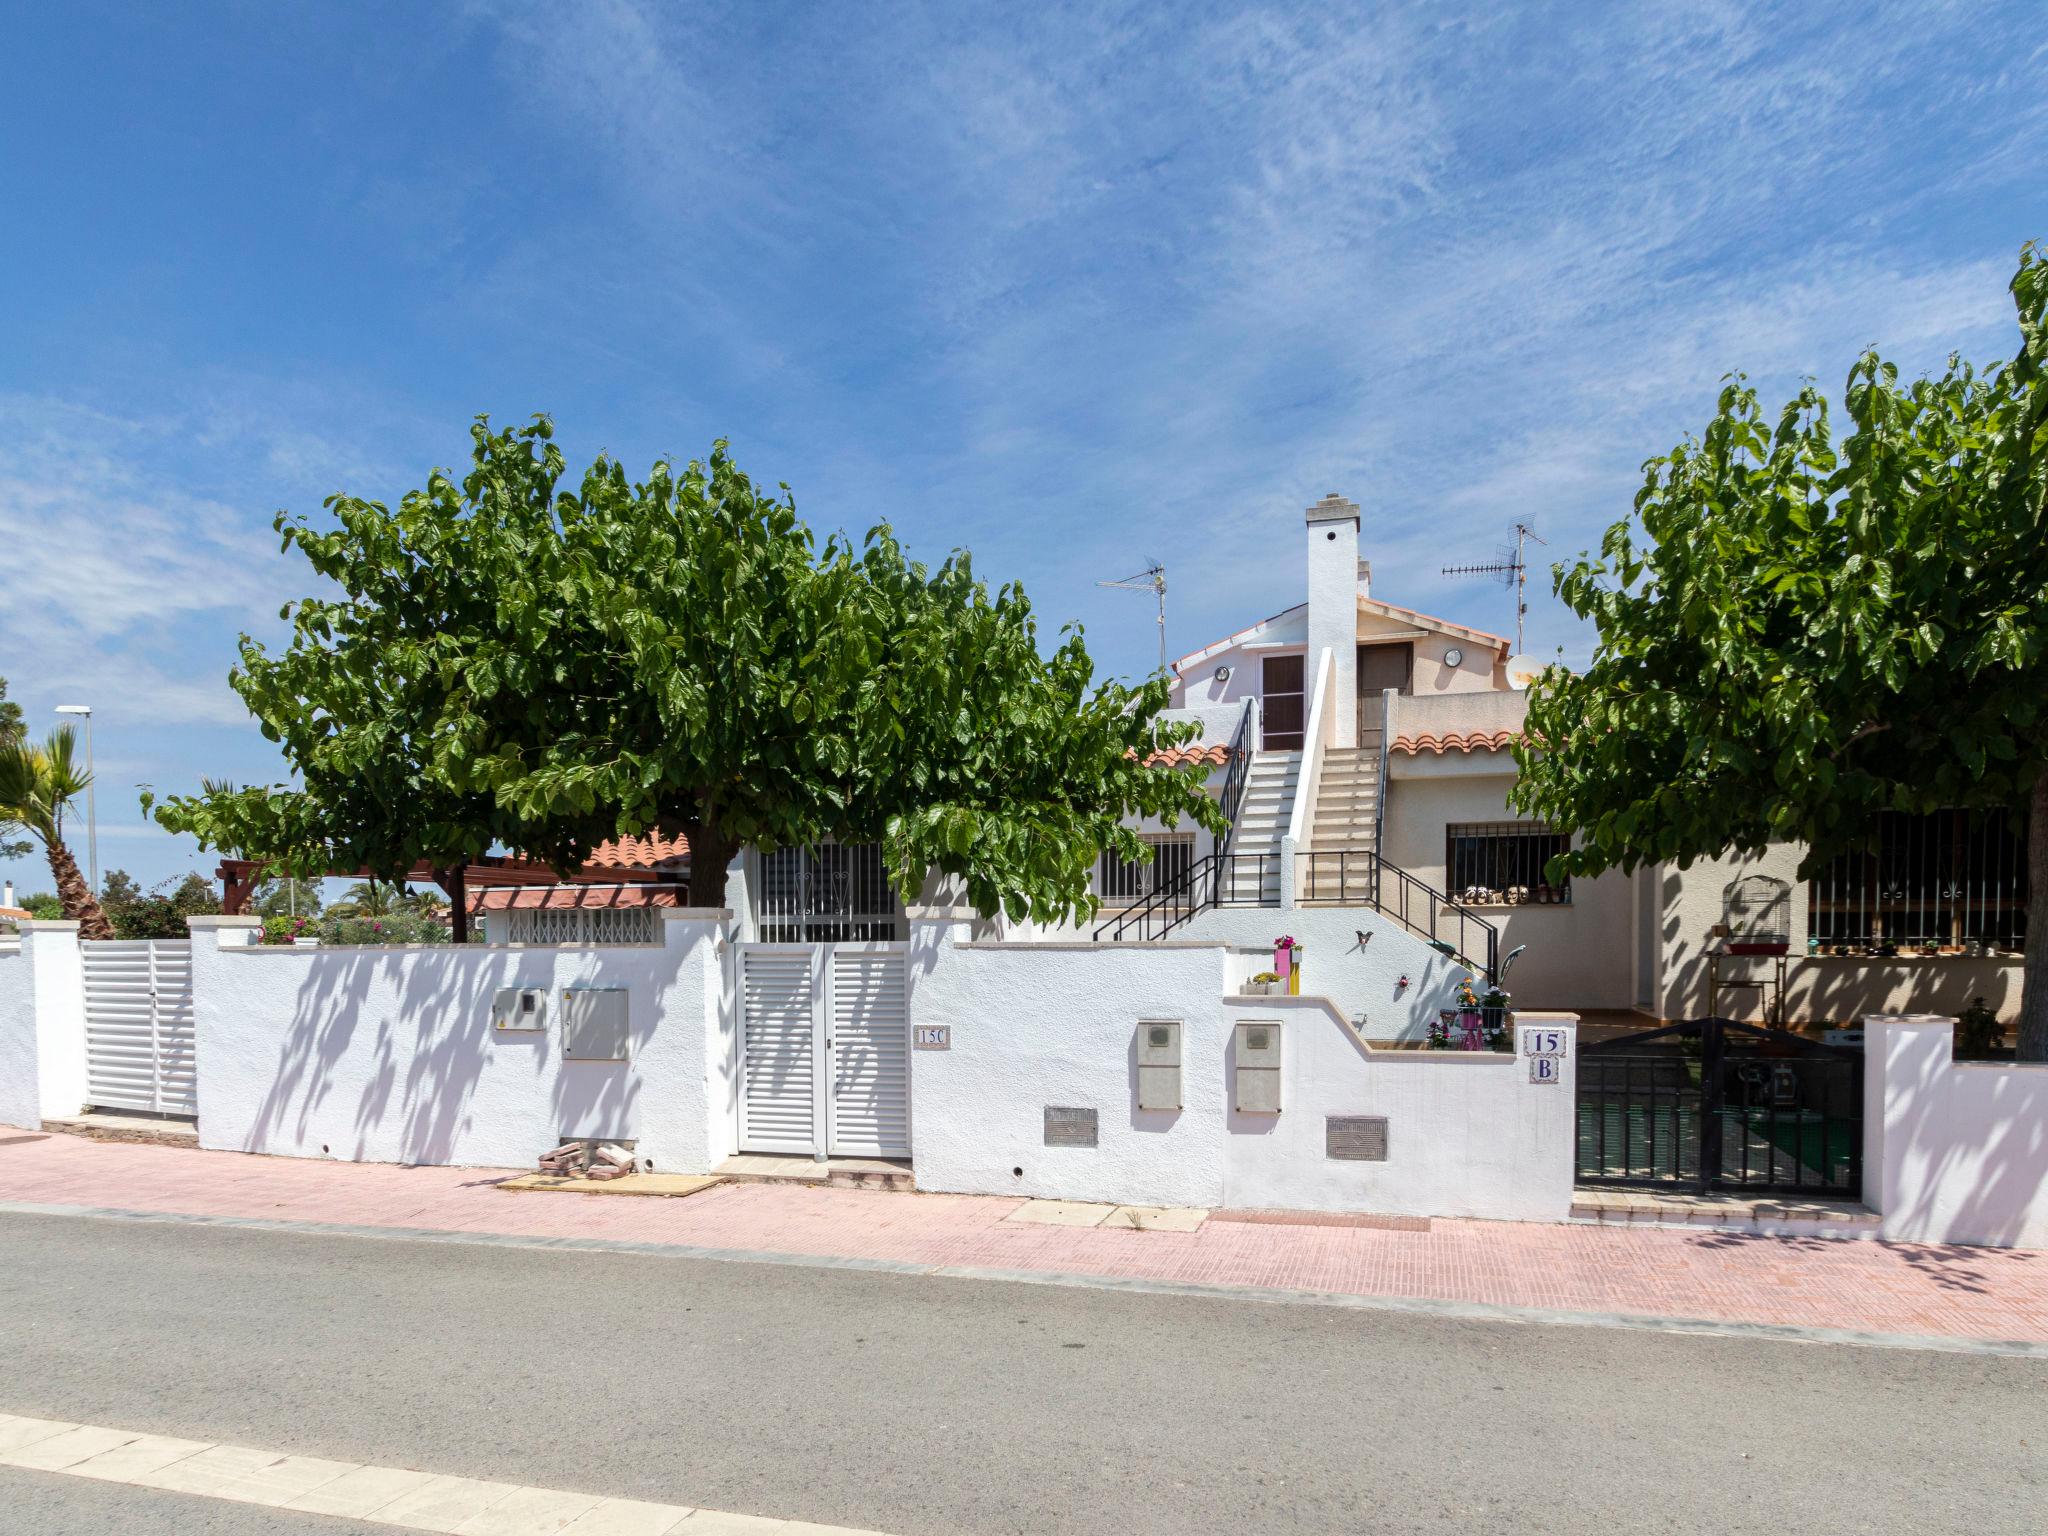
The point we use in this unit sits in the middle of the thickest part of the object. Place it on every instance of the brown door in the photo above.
(1381, 667)
(1283, 713)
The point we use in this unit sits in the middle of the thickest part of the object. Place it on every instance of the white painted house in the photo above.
(1374, 752)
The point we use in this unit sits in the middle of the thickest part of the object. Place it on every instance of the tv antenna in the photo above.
(1513, 571)
(1152, 579)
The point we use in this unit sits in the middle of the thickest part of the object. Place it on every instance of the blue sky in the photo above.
(1074, 287)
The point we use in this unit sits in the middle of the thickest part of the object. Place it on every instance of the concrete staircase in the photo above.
(1346, 811)
(1261, 823)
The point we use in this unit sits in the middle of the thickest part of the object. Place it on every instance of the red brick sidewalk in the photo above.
(1712, 1275)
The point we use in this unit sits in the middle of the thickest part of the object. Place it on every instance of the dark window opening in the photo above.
(1502, 863)
(1949, 880)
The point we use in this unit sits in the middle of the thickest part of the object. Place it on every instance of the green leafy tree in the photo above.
(287, 897)
(37, 785)
(43, 906)
(118, 889)
(1807, 634)
(512, 664)
(160, 913)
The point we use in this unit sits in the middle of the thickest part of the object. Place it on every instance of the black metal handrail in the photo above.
(1236, 775)
(1347, 877)
(1201, 883)
(1168, 907)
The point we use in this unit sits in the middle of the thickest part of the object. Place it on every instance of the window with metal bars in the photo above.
(1949, 880)
(1121, 880)
(826, 893)
(1493, 863)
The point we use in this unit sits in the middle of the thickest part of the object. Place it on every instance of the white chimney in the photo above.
(1335, 575)
(7, 894)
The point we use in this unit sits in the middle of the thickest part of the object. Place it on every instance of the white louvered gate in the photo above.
(825, 1049)
(138, 1026)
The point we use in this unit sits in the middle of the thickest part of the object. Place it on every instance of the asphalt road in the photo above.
(933, 1407)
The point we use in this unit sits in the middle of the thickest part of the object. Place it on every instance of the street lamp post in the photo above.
(92, 814)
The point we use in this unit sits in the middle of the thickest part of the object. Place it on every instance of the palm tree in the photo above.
(36, 783)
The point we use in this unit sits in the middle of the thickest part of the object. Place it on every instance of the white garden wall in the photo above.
(42, 1026)
(1043, 1024)
(20, 1088)
(388, 1054)
(1954, 1151)
(1362, 980)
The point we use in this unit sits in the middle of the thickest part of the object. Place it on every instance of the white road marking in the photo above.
(393, 1496)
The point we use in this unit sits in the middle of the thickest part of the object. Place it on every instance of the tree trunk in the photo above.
(80, 905)
(455, 881)
(710, 852)
(2033, 1043)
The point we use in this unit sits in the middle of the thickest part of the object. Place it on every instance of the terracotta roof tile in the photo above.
(648, 852)
(1455, 741)
(523, 898)
(1214, 755)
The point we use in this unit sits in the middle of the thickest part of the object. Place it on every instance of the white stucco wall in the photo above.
(1361, 980)
(388, 1055)
(1954, 1152)
(1042, 1024)
(1333, 607)
(1580, 955)
(57, 983)
(21, 1101)
(1477, 672)
(1467, 1133)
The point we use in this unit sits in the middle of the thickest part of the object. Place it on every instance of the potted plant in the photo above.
(1471, 1019)
(1496, 1021)
(1978, 1033)
(1287, 952)
(1442, 1033)
(1265, 983)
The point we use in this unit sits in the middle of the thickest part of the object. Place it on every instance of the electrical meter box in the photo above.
(1258, 1067)
(594, 1024)
(520, 1008)
(1159, 1064)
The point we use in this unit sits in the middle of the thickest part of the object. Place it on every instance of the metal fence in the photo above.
(1950, 880)
(1714, 1105)
(826, 893)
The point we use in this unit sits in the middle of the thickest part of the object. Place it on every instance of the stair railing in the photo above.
(1201, 884)
(1345, 877)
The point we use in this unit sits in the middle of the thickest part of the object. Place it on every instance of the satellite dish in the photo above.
(1524, 670)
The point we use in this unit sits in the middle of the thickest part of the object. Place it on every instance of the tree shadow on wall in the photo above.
(427, 1014)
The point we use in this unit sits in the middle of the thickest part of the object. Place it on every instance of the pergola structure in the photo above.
(652, 860)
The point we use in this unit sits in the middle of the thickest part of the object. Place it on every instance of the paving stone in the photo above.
(529, 1512)
(1061, 1213)
(145, 1453)
(444, 1503)
(362, 1492)
(53, 1453)
(710, 1522)
(16, 1432)
(627, 1517)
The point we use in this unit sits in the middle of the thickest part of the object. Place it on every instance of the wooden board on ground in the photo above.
(672, 1185)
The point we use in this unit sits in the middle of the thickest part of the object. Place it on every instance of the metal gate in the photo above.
(1716, 1105)
(138, 1026)
(825, 1049)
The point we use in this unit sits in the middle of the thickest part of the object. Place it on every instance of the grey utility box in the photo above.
(1258, 1067)
(520, 1008)
(594, 1024)
(1159, 1064)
